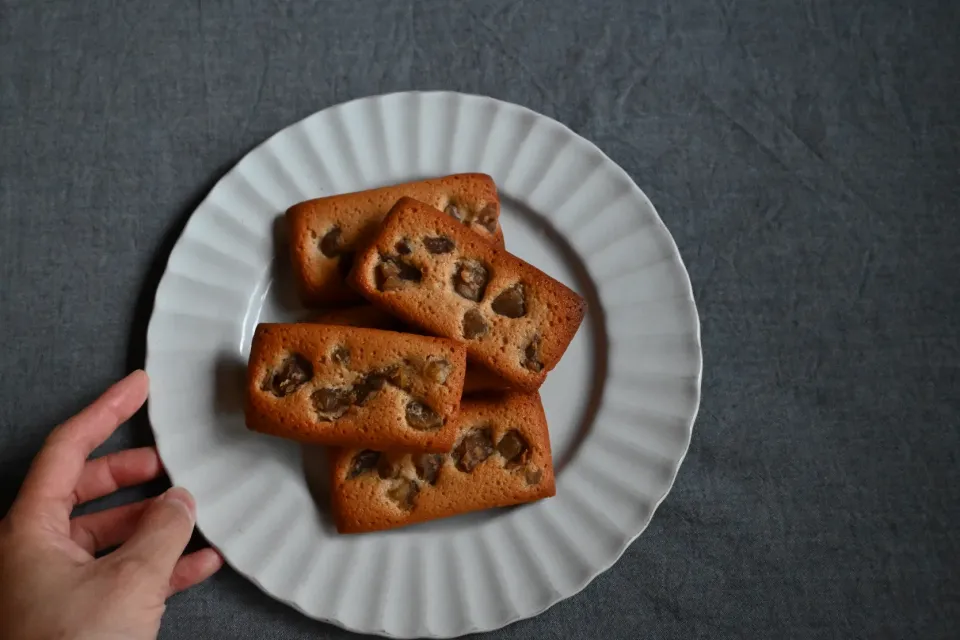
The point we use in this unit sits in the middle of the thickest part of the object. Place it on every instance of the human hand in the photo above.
(52, 585)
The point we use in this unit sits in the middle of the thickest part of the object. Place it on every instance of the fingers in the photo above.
(103, 476)
(98, 531)
(161, 535)
(194, 568)
(60, 463)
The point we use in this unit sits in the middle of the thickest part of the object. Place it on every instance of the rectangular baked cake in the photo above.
(435, 274)
(326, 232)
(349, 386)
(501, 457)
(478, 378)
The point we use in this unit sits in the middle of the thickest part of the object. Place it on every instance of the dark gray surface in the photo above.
(804, 155)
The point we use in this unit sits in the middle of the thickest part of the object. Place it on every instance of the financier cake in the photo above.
(478, 379)
(501, 457)
(433, 273)
(348, 386)
(326, 232)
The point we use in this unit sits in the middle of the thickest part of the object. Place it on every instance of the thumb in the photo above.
(162, 534)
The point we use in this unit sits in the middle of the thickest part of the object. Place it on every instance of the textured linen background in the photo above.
(803, 154)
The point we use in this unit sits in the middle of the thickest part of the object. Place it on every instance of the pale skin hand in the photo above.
(51, 585)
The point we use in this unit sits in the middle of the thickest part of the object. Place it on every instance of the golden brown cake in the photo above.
(326, 232)
(501, 458)
(432, 273)
(348, 386)
(478, 378)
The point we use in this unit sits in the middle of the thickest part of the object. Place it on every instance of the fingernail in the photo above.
(182, 497)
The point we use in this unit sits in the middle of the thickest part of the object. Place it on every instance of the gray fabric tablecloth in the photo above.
(803, 154)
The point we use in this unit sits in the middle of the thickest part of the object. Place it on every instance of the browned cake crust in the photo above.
(347, 386)
(431, 272)
(501, 458)
(326, 232)
(478, 378)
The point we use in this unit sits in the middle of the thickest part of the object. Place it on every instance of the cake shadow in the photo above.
(595, 322)
(283, 293)
(316, 472)
(230, 374)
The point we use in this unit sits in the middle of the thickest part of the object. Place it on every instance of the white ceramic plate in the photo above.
(621, 404)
